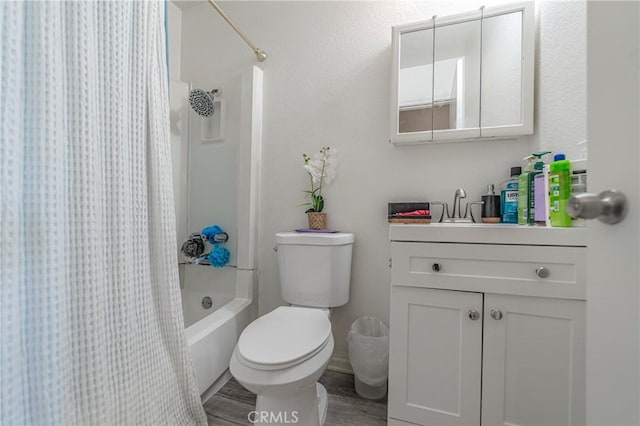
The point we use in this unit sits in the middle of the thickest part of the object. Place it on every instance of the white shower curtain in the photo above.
(91, 329)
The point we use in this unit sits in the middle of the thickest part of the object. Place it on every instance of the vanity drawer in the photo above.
(541, 271)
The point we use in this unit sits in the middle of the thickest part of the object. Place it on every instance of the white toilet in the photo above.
(281, 355)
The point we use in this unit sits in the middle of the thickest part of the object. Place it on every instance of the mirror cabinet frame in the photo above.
(525, 127)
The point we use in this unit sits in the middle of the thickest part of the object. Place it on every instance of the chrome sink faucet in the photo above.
(446, 216)
(458, 196)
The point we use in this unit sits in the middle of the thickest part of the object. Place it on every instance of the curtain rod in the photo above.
(260, 54)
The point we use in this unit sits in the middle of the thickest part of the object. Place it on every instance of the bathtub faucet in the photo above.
(194, 246)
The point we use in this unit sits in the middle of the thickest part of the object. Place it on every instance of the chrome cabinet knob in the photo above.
(543, 272)
(436, 267)
(496, 314)
(473, 315)
(609, 206)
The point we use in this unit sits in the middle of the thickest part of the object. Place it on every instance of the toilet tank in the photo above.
(315, 269)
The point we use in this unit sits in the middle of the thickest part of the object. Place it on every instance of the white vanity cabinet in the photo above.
(487, 325)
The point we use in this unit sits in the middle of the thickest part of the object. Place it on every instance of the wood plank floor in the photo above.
(232, 404)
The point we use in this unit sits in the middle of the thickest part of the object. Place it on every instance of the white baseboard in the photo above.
(340, 365)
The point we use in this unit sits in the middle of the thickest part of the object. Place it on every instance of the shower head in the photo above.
(202, 102)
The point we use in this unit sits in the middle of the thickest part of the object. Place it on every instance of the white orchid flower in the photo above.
(321, 168)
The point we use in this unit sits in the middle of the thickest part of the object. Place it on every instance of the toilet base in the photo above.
(323, 402)
(307, 407)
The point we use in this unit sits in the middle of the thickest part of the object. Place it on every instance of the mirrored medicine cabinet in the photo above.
(466, 76)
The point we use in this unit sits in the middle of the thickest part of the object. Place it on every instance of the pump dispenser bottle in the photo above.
(491, 206)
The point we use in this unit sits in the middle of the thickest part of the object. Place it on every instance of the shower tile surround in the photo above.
(324, 60)
(232, 404)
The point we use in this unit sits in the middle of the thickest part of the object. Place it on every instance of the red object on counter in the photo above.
(414, 213)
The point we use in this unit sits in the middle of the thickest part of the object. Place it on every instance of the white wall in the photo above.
(327, 83)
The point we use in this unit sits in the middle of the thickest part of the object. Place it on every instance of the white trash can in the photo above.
(368, 344)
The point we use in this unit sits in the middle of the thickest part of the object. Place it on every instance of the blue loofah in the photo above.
(219, 257)
(210, 233)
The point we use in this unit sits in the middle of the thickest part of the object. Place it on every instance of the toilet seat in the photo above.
(285, 337)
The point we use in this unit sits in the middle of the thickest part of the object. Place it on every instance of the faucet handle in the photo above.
(445, 208)
(469, 211)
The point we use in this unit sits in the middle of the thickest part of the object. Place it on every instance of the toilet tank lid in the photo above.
(302, 238)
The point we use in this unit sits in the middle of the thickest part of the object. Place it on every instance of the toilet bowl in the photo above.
(280, 357)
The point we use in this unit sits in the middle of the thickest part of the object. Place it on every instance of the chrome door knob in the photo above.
(609, 206)
(543, 272)
(496, 314)
(473, 315)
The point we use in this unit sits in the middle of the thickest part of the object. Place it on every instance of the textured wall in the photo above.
(327, 83)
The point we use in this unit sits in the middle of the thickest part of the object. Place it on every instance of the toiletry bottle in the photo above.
(538, 190)
(578, 184)
(547, 211)
(537, 170)
(509, 197)
(491, 206)
(541, 189)
(560, 190)
(523, 192)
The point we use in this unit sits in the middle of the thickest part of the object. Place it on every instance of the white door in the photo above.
(435, 358)
(533, 361)
(613, 321)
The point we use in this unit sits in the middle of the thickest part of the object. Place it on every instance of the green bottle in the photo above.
(559, 190)
(523, 191)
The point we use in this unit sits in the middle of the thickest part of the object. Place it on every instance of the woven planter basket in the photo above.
(317, 220)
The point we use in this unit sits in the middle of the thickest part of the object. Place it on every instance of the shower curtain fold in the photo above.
(91, 326)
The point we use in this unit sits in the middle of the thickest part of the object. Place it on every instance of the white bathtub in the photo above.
(212, 333)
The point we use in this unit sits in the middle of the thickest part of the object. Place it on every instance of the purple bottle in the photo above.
(540, 199)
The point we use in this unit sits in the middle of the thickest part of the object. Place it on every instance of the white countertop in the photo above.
(481, 233)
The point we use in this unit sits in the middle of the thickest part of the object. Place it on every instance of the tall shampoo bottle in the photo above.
(559, 190)
(536, 199)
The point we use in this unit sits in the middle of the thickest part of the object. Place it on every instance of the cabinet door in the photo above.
(456, 78)
(533, 361)
(507, 70)
(435, 359)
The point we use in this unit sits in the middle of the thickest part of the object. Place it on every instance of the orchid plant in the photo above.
(321, 168)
